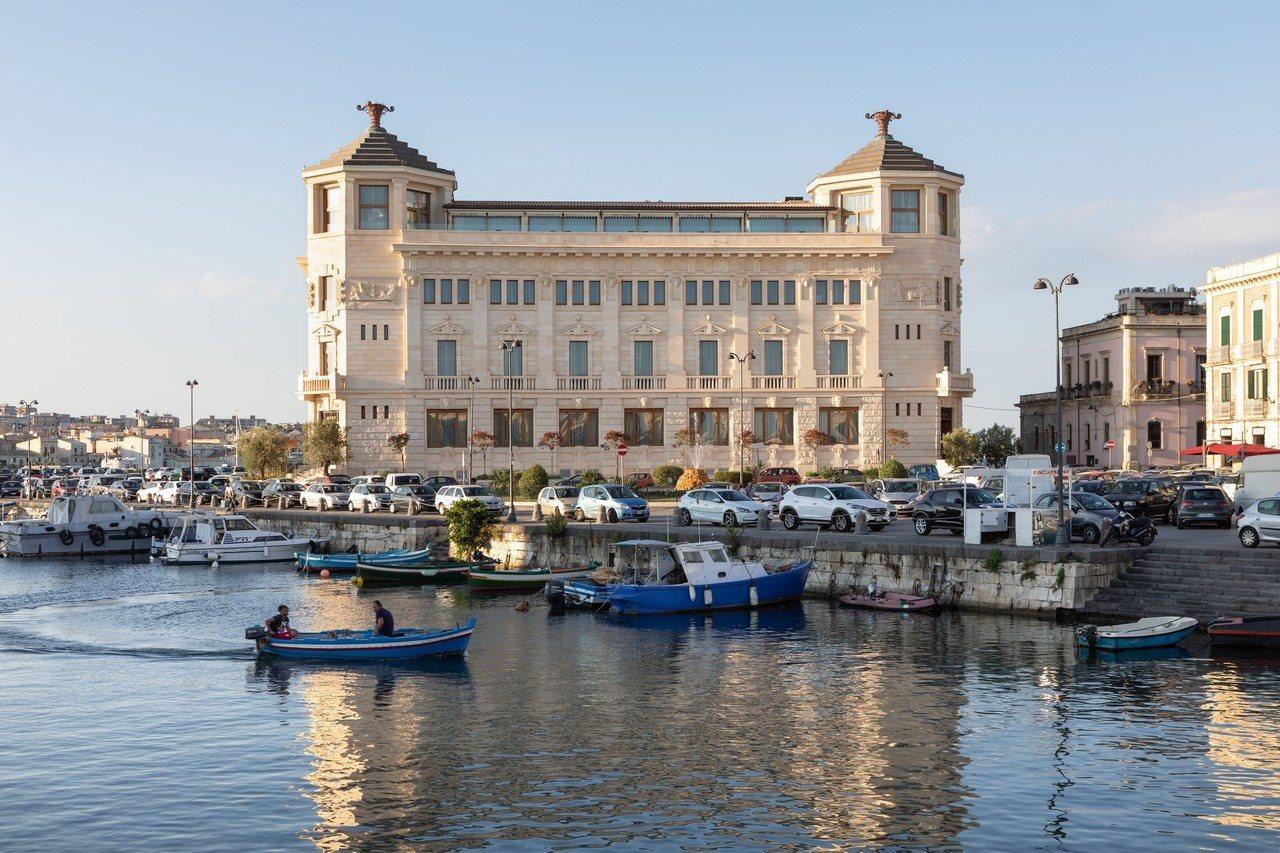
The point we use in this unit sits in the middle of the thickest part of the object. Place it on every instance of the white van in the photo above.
(403, 479)
(1259, 478)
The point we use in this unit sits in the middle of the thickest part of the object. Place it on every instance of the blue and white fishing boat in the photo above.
(346, 645)
(347, 562)
(691, 577)
(1150, 633)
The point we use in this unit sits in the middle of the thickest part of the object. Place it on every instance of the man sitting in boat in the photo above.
(384, 624)
(278, 625)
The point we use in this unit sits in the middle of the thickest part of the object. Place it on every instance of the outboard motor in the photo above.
(255, 633)
(1089, 633)
(554, 593)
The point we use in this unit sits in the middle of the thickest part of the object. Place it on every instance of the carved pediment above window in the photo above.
(326, 332)
(949, 329)
(644, 329)
(448, 329)
(580, 330)
(512, 330)
(707, 327)
(842, 327)
(773, 328)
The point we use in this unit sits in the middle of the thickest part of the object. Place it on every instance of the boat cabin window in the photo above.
(717, 555)
(102, 505)
(239, 524)
(693, 555)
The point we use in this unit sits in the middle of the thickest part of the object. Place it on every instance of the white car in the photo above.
(719, 506)
(899, 494)
(370, 497)
(833, 504)
(176, 492)
(150, 494)
(558, 500)
(447, 496)
(1260, 523)
(325, 496)
(616, 501)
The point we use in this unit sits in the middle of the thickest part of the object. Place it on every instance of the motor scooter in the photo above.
(1128, 529)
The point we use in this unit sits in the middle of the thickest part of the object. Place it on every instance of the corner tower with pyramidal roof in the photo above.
(809, 331)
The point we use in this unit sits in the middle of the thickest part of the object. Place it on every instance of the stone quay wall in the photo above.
(1032, 581)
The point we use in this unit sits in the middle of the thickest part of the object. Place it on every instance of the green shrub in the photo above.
(732, 538)
(830, 472)
(872, 473)
(591, 476)
(667, 475)
(893, 469)
(993, 561)
(470, 526)
(531, 481)
(556, 526)
(498, 481)
(730, 475)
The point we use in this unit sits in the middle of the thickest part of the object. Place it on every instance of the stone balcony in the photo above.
(579, 383)
(1219, 355)
(1257, 408)
(1224, 411)
(951, 384)
(513, 383)
(838, 382)
(319, 384)
(773, 383)
(708, 383)
(644, 383)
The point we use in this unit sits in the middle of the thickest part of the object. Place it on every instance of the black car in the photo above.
(281, 495)
(244, 493)
(943, 509)
(1153, 497)
(1199, 503)
(439, 481)
(11, 489)
(413, 499)
(1092, 487)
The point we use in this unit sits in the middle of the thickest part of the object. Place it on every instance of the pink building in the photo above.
(1133, 379)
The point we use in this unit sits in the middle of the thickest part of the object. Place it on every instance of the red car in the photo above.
(638, 481)
(779, 475)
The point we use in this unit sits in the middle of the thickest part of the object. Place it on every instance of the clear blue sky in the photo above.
(151, 155)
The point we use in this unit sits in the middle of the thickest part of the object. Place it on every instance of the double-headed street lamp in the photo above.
(1064, 535)
(742, 405)
(509, 350)
(472, 382)
(30, 408)
(191, 445)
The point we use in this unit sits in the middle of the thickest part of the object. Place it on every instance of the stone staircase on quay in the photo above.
(1204, 583)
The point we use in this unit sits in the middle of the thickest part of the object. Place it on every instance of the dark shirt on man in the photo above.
(388, 628)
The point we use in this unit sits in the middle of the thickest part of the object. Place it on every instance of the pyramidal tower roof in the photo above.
(378, 147)
(884, 153)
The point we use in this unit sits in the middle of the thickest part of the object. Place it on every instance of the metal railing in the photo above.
(1257, 408)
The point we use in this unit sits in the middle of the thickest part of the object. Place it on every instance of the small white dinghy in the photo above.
(1152, 632)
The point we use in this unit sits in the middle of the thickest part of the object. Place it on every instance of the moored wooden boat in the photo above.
(1150, 633)
(340, 562)
(531, 579)
(437, 571)
(897, 601)
(346, 645)
(1254, 631)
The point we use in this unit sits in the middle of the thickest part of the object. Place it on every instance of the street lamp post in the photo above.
(742, 405)
(1064, 535)
(509, 349)
(30, 407)
(472, 381)
(191, 445)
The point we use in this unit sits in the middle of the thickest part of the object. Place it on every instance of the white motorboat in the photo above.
(206, 538)
(84, 525)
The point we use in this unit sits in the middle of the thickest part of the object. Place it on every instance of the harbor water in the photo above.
(136, 715)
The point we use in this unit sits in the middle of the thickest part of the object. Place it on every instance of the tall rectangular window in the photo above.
(495, 291)
(578, 289)
(710, 425)
(1257, 324)
(690, 293)
(362, 327)
(373, 207)
(464, 291)
(446, 358)
(856, 209)
(905, 218)
(1224, 330)
(642, 293)
(578, 358)
(1155, 435)
(1155, 365)
(642, 358)
(593, 292)
(708, 358)
(322, 293)
(624, 293)
(841, 424)
(757, 293)
(820, 292)
(838, 357)
(530, 287)
(837, 292)
(446, 291)
(513, 291)
(513, 361)
(428, 291)
(562, 292)
(724, 292)
(326, 205)
(445, 427)
(773, 358)
(944, 214)
(580, 427)
(1224, 387)
(1259, 384)
(789, 292)
(659, 293)
(771, 291)
(774, 426)
(708, 293)
(520, 427)
(417, 210)
(855, 292)
(643, 427)
(946, 355)
(946, 293)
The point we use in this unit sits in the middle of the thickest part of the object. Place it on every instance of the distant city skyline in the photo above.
(157, 206)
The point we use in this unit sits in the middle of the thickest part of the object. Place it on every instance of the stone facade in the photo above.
(1135, 377)
(1243, 314)
(627, 314)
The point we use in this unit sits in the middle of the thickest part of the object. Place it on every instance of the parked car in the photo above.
(126, 489)
(412, 499)
(11, 489)
(282, 490)
(176, 492)
(365, 479)
(833, 504)
(927, 473)
(1198, 503)
(325, 496)
(370, 497)
(1090, 515)
(617, 502)
(899, 494)
(150, 493)
(1144, 496)
(640, 480)
(243, 493)
(402, 479)
(943, 509)
(1093, 487)
(779, 475)
(719, 506)
(450, 495)
(571, 480)
(440, 480)
(339, 480)
(558, 500)
(767, 493)
(1260, 522)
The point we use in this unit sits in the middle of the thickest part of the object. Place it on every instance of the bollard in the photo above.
(537, 510)
(602, 515)
(762, 520)
(860, 524)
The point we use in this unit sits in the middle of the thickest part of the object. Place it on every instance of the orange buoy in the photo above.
(324, 574)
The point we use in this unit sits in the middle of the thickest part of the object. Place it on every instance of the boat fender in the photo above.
(131, 532)
(693, 593)
(754, 596)
(155, 524)
(706, 596)
(1089, 633)
(97, 536)
(65, 536)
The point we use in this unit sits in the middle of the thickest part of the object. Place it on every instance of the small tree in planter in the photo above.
(613, 439)
(552, 441)
(483, 441)
(399, 441)
(471, 528)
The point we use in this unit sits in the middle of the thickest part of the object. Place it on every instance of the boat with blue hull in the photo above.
(346, 645)
(348, 562)
(1151, 633)
(693, 577)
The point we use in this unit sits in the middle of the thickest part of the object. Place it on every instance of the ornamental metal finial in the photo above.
(883, 117)
(375, 111)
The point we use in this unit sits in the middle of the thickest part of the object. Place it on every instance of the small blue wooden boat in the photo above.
(346, 645)
(1150, 633)
(692, 577)
(347, 562)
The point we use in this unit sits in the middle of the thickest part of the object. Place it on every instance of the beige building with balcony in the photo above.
(1134, 378)
(626, 317)
(1242, 306)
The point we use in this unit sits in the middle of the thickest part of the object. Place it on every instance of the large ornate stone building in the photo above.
(626, 317)
(1243, 312)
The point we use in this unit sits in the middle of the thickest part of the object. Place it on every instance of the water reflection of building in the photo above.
(1244, 745)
